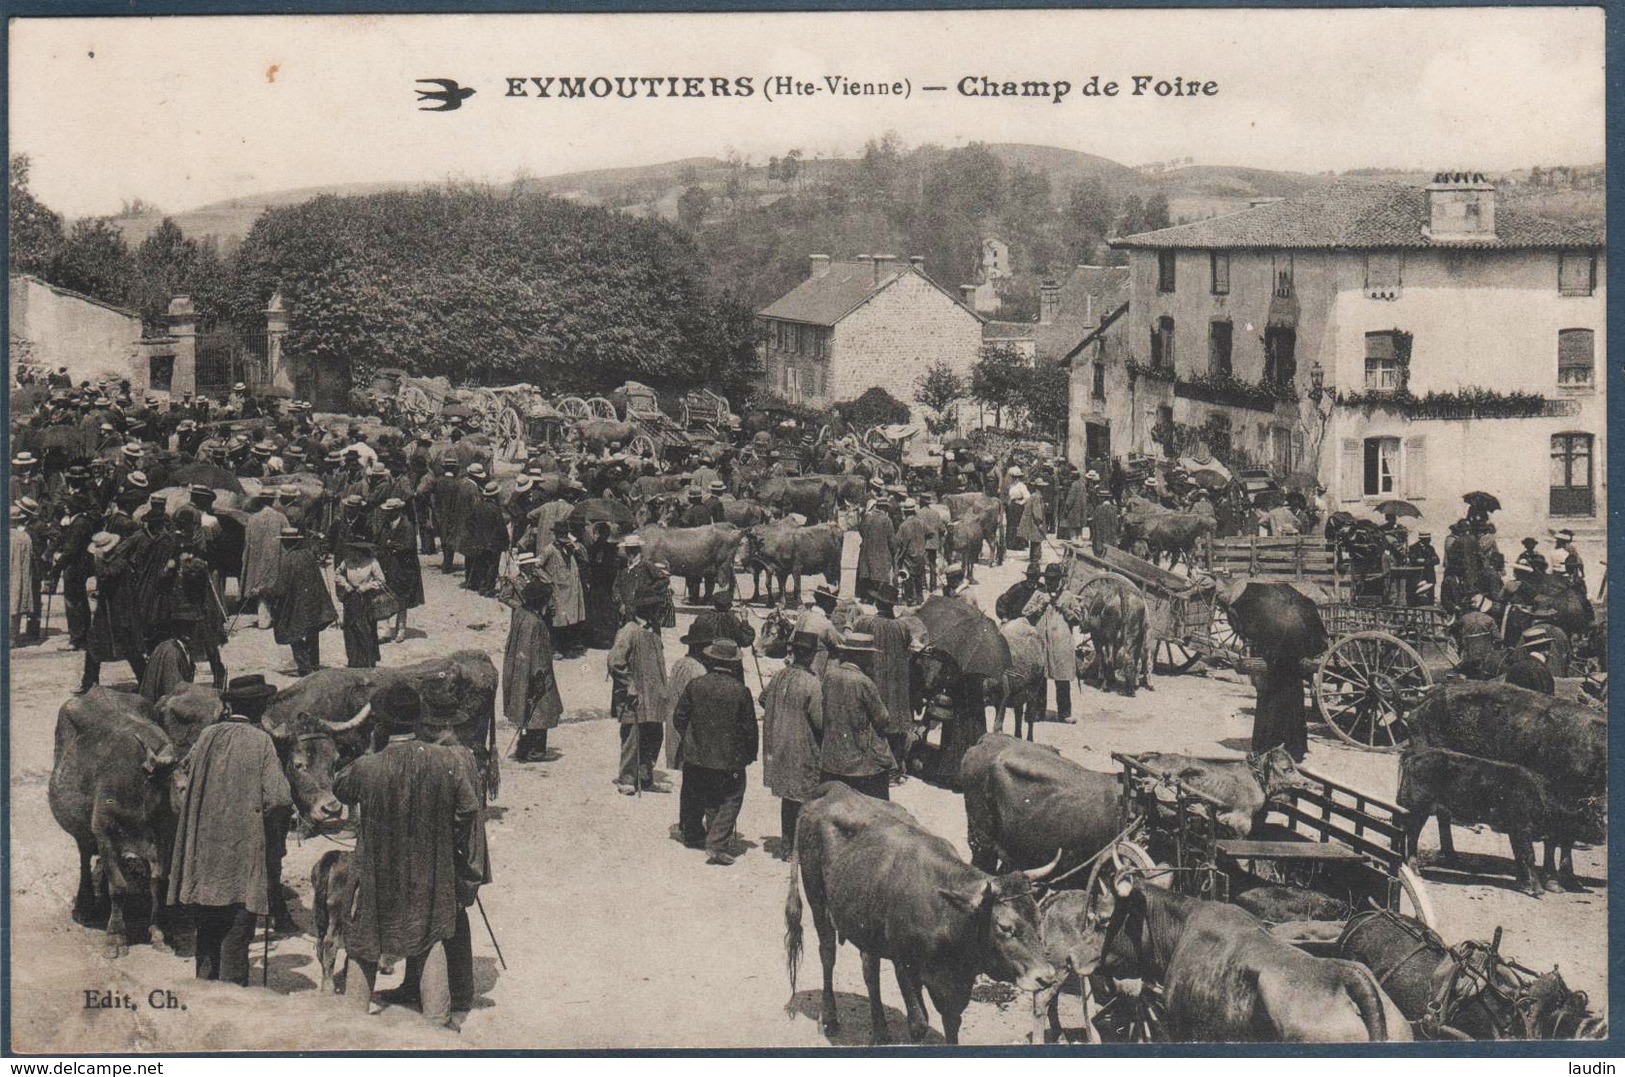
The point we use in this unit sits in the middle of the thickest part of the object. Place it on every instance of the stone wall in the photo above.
(897, 335)
(54, 327)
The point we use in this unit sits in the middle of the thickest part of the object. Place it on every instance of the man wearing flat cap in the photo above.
(419, 861)
(220, 867)
(716, 719)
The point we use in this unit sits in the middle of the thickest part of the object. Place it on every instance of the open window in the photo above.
(1572, 475)
(1576, 358)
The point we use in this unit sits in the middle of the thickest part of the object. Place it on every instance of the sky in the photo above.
(183, 112)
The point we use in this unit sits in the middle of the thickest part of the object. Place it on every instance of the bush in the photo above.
(876, 407)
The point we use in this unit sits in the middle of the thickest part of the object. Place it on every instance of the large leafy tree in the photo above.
(936, 390)
(34, 233)
(997, 379)
(492, 287)
(95, 260)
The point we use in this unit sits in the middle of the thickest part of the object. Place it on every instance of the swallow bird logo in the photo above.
(450, 95)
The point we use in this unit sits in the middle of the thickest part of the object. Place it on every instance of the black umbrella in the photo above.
(1268, 499)
(1478, 499)
(966, 635)
(596, 510)
(211, 475)
(1278, 622)
(1398, 508)
(1209, 478)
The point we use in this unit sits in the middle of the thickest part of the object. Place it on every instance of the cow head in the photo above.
(1276, 774)
(309, 754)
(1548, 1010)
(1006, 926)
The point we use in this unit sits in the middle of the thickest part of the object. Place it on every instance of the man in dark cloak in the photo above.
(219, 866)
(530, 692)
(716, 719)
(262, 552)
(417, 858)
(853, 749)
(891, 673)
(637, 671)
(876, 553)
(445, 498)
(792, 727)
(301, 605)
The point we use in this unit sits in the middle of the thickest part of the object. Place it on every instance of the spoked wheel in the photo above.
(599, 408)
(510, 430)
(1131, 1011)
(573, 407)
(1224, 635)
(1175, 657)
(644, 445)
(1366, 687)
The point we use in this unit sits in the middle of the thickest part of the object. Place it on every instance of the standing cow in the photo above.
(1112, 610)
(786, 552)
(876, 878)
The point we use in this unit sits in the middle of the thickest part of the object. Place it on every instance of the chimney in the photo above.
(820, 266)
(883, 265)
(1049, 302)
(967, 295)
(1461, 205)
(917, 261)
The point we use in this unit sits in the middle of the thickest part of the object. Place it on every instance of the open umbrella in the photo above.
(1209, 478)
(211, 475)
(966, 635)
(1278, 622)
(597, 510)
(1398, 508)
(1478, 499)
(1266, 500)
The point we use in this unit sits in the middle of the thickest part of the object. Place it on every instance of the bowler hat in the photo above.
(824, 590)
(804, 641)
(695, 493)
(884, 594)
(248, 695)
(856, 643)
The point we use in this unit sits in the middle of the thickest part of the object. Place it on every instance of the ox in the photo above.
(989, 512)
(1163, 532)
(786, 552)
(1225, 978)
(1242, 786)
(1112, 610)
(694, 553)
(110, 789)
(1022, 687)
(1467, 992)
(876, 878)
(1565, 743)
(812, 496)
(1024, 801)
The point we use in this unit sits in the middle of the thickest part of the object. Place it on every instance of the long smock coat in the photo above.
(443, 499)
(1060, 654)
(262, 550)
(530, 691)
(22, 571)
(563, 570)
(854, 720)
(1031, 528)
(398, 557)
(685, 669)
(875, 555)
(792, 727)
(891, 670)
(116, 628)
(300, 605)
(637, 668)
(415, 846)
(1073, 511)
(234, 781)
(464, 496)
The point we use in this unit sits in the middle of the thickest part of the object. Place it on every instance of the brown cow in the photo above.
(1244, 786)
(786, 552)
(1112, 610)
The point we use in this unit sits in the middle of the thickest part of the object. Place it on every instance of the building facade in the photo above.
(854, 325)
(1392, 341)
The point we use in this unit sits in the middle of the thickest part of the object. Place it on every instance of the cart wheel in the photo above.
(1129, 1016)
(1132, 856)
(1414, 900)
(1367, 685)
(510, 434)
(1224, 635)
(1176, 657)
(599, 408)
(643, 445)
(573, 407)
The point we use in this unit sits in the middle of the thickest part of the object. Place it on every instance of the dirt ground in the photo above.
(615, 935)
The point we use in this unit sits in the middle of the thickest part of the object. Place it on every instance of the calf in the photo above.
(1510, 799)
(332, 896)
(1244, 786)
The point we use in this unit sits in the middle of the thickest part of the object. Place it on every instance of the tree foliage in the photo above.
(35, 234)
(483, 286)
(936, 390)
(875, 407)
(997, 377)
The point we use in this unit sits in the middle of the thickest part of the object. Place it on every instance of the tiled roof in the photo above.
(846, 286)
(1077, 315)
(996, 330)
(1350, 214)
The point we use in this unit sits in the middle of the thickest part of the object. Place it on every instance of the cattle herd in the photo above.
(1055, 893)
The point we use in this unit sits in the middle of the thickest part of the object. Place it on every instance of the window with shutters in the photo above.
(1218, 347)
(1381, 470)
(1416, 467)
(1576, 274)
(1219, 264)
(1383, 270)
(1280, 355)
(1165, 271)
(1100, 382)
(1162, 342)
(1576, 358)
(1572, 475)
(1381, 363)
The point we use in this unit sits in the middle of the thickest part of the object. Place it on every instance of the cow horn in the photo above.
(345, 727)
(1035, 874)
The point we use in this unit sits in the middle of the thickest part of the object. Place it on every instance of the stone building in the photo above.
(52, 327)
(1390, 340)
(873, 321)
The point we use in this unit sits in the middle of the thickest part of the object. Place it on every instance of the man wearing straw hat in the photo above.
(24, 575)
(1571, 564)
(854, 748)
(716, 719)
(219, 867)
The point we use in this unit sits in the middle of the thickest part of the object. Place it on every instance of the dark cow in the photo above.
(1243, 786)
(1112, 610)
(1565, 743)
(110, 789)
(694, 553)
(1466, 992)
(985, 509)
(185, 712)
(1510, 799)
(1024, 801)
(1225, 978)
(962, 542)
(877, 879)
(785, 552)
(1176, 534)
(332, 890)
(744, 514)
(812, 496)
(1063, 918)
